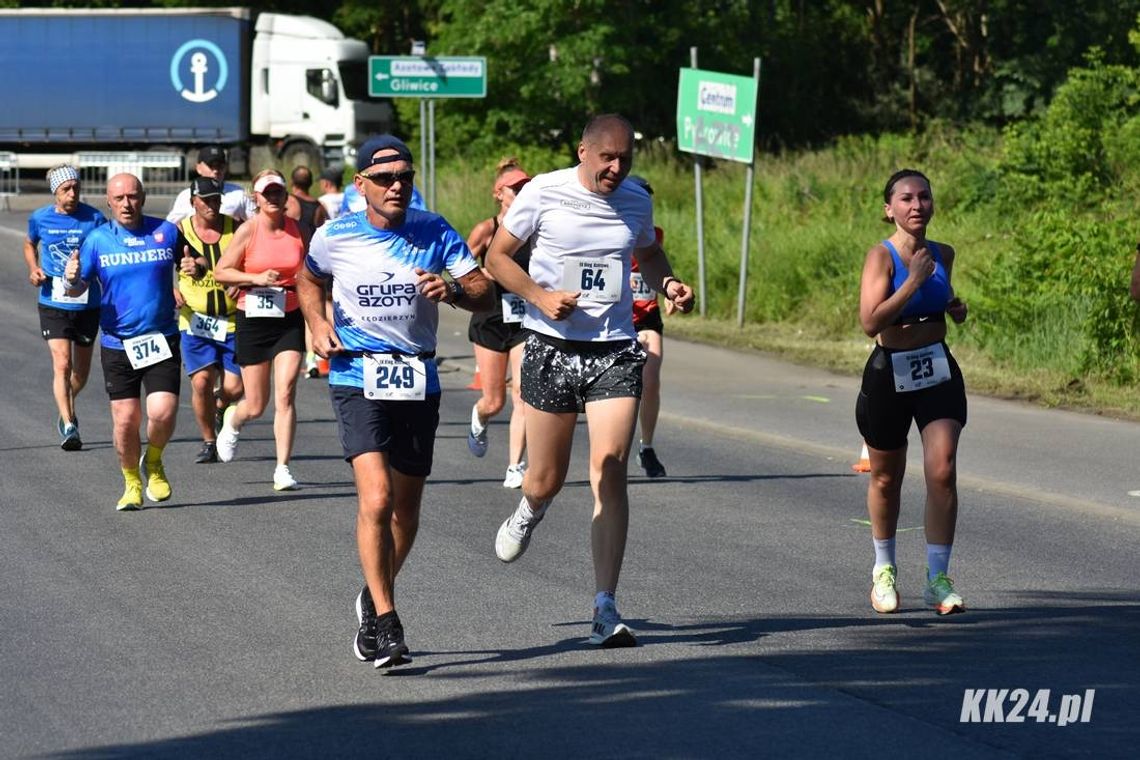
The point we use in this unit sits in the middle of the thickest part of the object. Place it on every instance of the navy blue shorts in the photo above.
(198, 353)
(404, 430)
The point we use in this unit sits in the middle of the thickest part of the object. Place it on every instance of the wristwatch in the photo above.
(457, 292)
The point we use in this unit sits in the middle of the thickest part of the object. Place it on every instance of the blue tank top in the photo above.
(932, 295)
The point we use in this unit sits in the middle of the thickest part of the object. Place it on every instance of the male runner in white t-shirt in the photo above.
(584, 225)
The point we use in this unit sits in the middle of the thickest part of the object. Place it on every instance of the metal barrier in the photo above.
(161, 173)
(9, 174)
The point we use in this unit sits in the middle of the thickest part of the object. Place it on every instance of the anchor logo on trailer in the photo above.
(200, 52)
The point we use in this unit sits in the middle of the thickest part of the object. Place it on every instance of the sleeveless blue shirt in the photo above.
(931, 297)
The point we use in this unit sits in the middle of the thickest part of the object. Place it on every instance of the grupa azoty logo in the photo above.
(206, 67)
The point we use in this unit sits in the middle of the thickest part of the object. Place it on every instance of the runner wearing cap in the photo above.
(498, 336)
(213, 163)
(384, 265)
(68, 324)
(131, 259)
(207, 312)
(263, 260)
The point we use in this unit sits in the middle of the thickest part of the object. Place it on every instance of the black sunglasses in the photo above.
(387, 179)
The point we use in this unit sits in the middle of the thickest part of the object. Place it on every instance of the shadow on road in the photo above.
(741, 687)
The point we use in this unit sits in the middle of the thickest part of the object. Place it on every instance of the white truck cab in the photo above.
(309, 90)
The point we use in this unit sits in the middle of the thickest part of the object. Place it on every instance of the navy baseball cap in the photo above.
(375, 143)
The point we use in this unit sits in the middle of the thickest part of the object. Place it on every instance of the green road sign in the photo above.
(413, 76)
(716, 114)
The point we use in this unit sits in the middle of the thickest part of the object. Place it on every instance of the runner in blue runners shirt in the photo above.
(384, 264)
(132, 260)
(69, 325)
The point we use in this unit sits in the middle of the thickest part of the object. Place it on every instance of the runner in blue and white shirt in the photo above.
(384, 264)
(69, 325)
(132, 261)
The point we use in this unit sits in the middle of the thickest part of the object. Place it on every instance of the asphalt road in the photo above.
(220, 624)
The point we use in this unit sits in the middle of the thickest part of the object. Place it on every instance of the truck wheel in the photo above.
(301, 154)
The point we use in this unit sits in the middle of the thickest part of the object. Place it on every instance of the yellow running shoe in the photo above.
(884, 593)
(132, 497)
(940, 595)
(157, 486)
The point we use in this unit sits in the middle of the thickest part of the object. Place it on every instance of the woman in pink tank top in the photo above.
(263, 260)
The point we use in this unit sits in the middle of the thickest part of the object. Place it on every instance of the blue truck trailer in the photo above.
(175, 79)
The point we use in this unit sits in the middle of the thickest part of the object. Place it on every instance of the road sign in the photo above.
(716, 114)
(407, 76)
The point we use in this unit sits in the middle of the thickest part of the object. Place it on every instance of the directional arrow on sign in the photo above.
(380, 76)
(746, 120)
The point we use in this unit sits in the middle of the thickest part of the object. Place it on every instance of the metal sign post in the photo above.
(427, 78)
(716, 116)
(700, 218)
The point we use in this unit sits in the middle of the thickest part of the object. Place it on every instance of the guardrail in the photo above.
(161, 173)
(9, 174)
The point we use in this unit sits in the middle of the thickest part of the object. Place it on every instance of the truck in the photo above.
(271, 87)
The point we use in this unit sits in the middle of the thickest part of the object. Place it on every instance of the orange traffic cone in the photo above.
(476, 383)
(864, 463)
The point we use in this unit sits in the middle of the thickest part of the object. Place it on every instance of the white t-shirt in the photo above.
(582, 241)
(331, 202)
(235, 203)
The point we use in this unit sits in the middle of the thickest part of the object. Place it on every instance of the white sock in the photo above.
(602, 597)
(884, 552)
(937, 559)
(642, 445)
(476, 425)
(529, 512)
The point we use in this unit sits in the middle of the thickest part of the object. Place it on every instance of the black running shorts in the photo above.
(487, 329)
(405, 430)
(261, 338)
(124, 381)
(563, 376)
(652, 321)
(884, 415)
(78, 326)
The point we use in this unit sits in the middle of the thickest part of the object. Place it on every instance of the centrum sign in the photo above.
(716, 114)
(391, 76)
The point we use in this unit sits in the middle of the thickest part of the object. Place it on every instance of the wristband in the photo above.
(665, 284)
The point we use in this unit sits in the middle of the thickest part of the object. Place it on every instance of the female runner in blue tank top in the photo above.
(904, 298)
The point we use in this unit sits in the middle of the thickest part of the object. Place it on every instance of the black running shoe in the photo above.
(364, 647)
(390, 647)
(648, 461)
(207, 454)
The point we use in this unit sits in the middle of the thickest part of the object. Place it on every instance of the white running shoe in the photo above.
(227, 437)
(515, 532)
(283, 480)
(514, 477)
(884, 589)
(608, 631)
